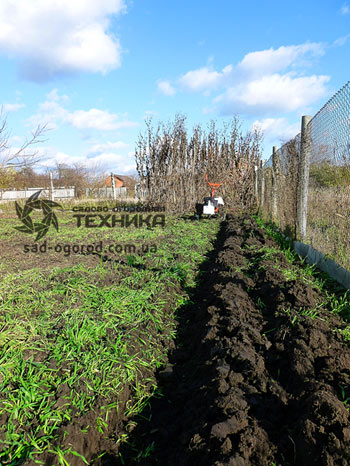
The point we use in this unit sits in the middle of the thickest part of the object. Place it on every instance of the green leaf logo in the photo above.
(49, 216)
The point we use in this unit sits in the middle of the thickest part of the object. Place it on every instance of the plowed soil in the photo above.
(253, 381)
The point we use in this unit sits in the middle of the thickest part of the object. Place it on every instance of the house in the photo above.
(121, 181)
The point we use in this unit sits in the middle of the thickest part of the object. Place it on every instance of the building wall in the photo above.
(118, 183)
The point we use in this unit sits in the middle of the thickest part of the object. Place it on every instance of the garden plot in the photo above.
(167, 358)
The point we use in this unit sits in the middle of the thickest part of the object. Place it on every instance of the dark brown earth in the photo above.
(248, 384)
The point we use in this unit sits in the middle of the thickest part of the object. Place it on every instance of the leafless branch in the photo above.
(22, 158)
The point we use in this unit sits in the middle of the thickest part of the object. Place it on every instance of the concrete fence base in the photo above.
(314, 257)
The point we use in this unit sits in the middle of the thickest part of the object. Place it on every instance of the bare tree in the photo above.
(25, 156)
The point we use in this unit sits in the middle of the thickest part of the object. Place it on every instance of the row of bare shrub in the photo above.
(172, 163)
(285, 182)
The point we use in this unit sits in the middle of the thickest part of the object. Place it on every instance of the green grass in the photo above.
(76, 335)
(336, 298)
(303, 271)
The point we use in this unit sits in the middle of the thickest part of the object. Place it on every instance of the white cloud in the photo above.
(52, 112)
(341, 41)
(345, 10)
(204, 78)
(55, 97)
(99, 148)
(265, 81)
(97, 119)
(277, 129)
(103, 162)
(166, 88)
(54, 157)
(14, 140)
(271, 60)
(56, 37)
(11, 107)
(149, 113)
(275, 92)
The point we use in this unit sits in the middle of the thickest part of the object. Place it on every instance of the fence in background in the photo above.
(64, 193)
(304, 187)
(106, 193)
(56, 193)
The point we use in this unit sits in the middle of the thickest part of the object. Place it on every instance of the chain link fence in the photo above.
(328, 226)
(304, 187)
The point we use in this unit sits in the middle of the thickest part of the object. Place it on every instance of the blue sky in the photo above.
(94, 70)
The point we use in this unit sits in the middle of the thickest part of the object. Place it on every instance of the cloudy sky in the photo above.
(94, 70)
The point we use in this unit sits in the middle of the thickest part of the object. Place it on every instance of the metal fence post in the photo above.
(262, 184)
(256, 192)
(303, 176)
(275, 179)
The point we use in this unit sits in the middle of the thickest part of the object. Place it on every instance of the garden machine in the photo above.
(212, 205)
